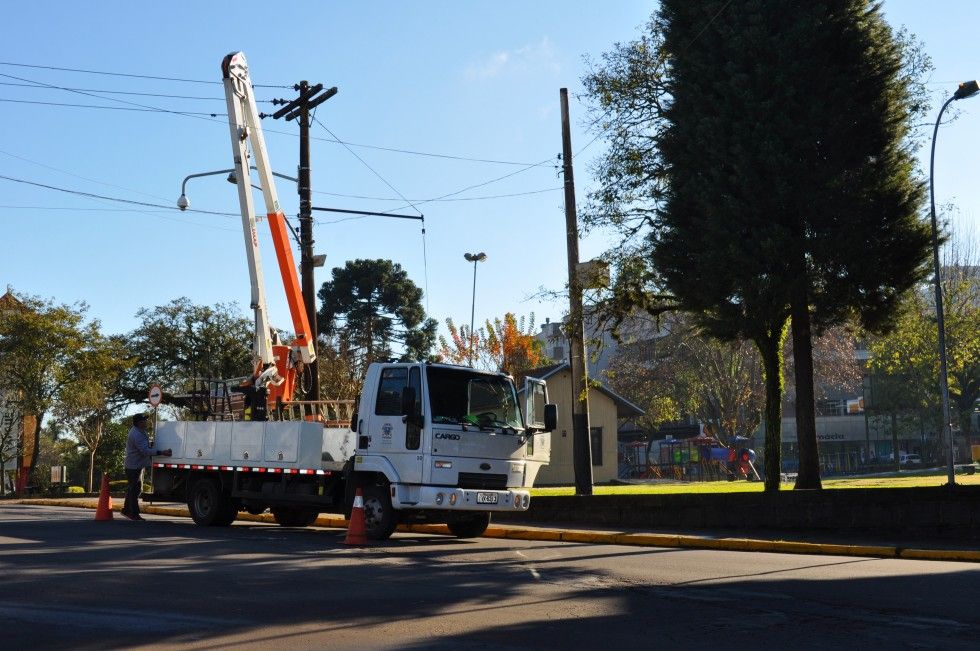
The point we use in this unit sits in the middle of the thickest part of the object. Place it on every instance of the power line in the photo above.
(424, 153)
(123, 74)
(482, 198)
(92, 195)
(125, 92)
(110, 99)
(77, 176)
(141, 108)
(708, 24)
(30, 83)
(152, 213)
(363, 162)
(110, 108)
(477, 185)
(69, 208)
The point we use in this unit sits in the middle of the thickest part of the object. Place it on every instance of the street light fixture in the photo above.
(474, 258)
(183, 203)
(966, 89)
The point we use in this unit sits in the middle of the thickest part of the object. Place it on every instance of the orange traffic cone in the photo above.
(104, 512)
(355, 528)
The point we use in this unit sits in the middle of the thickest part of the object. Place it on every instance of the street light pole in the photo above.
(965, 90)
(474, 258)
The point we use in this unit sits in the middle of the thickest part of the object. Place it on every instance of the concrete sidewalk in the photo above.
(754, 541)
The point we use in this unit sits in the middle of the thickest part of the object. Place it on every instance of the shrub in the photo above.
(120, 486)
(76, 489)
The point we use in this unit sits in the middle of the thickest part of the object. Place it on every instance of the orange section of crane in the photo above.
(290, 281)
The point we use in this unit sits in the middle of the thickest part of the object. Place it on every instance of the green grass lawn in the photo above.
(898, 480)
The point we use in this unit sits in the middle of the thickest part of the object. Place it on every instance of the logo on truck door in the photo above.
(386, 434)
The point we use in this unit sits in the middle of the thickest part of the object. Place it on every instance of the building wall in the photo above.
(602, 413)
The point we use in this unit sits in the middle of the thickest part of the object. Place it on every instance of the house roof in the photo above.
(624, 408)
(9, 301)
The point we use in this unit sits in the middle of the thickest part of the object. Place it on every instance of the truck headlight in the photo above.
(439, 498)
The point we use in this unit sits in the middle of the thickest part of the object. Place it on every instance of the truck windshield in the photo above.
(463, 397)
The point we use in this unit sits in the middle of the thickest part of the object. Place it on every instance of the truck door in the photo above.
(536, 396)
(390, 433)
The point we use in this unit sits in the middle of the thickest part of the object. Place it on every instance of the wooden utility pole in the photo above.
(581, 433)
(300, 107)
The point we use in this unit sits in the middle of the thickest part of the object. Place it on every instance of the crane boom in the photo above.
(245, 130)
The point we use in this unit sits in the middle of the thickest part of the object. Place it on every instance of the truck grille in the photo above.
(482, 480)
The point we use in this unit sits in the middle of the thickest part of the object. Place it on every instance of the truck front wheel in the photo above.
(380, 518)
(470, 525)
(207, 505)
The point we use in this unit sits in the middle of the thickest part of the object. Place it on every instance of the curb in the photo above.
(609, 538)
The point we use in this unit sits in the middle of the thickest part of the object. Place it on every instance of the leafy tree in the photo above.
(757, 201)
(507, 345)
(94, 395)
(39, 341)
(180, 341)
(339, 376)
(460, 348)
(371, 305)
(719, 383)
(907, 356)
(10, 440)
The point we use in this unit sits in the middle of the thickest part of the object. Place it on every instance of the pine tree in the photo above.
(791, 190)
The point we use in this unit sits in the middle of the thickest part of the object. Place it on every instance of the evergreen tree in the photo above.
(765, 154)
(371, 305)
(791, 180)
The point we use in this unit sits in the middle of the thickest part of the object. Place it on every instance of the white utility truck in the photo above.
(428, 443)
(425, 443)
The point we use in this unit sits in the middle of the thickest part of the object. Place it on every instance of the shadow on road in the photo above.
(84, 584)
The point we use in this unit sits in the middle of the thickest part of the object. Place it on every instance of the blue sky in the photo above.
(465, 79)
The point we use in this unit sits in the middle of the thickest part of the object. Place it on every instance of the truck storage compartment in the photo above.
(246, 441)
(199, 440)
(282, 442)
(170, 434)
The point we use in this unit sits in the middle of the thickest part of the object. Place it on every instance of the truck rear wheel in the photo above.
(208, 507)
(470, 525)
(228, 513)
(380, 518)
(294, 516)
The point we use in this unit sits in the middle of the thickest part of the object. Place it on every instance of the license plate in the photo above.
(486, 498)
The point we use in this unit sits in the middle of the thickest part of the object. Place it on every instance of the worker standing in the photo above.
(138, 456)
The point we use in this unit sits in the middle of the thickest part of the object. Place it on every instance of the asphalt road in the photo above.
(67, 581)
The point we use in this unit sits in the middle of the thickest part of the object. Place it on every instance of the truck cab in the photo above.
(443, 443)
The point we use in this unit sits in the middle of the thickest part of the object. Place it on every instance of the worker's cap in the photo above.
(139, 418)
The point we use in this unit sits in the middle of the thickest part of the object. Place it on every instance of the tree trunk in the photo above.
(806, 428)
(91, 471)
(770, 349)
(895, 452)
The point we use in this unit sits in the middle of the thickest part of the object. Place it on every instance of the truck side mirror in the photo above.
(550, 418)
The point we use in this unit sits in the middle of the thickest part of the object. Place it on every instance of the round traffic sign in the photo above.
(155, 395)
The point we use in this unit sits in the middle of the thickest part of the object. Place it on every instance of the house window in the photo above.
(596, 435)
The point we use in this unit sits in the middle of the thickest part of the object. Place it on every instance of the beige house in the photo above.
(605, 410)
